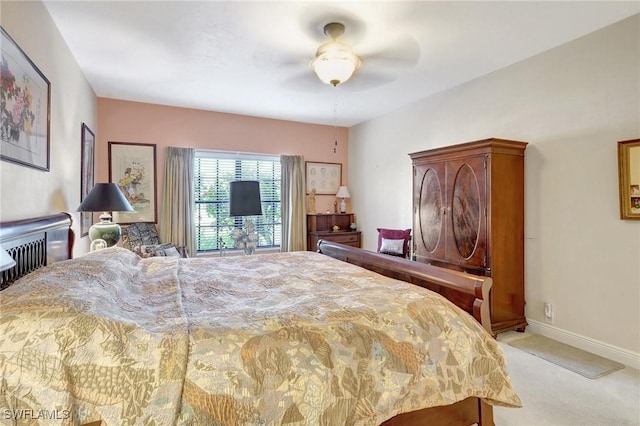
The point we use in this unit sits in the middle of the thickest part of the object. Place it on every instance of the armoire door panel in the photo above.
(466, 186)
(429, 214)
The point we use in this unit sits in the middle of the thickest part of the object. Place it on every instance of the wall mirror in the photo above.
(629, 178)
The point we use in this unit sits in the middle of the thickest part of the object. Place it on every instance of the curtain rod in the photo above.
(238, 153)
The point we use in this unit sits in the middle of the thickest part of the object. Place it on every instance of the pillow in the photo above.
(395, 234)
(159, 250)
(392, 246)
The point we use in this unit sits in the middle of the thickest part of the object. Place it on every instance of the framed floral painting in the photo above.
(132, 166)
(25, 108)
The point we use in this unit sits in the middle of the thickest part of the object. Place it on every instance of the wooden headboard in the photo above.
(34, 243)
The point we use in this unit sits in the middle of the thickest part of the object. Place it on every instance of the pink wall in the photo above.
(124, 121)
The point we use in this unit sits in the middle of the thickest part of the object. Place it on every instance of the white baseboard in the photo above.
(614, 353)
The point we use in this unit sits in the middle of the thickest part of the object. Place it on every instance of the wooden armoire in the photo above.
(468, 215)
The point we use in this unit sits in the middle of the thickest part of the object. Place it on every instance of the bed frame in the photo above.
(465, 290)
(34, 243)
(469, 292)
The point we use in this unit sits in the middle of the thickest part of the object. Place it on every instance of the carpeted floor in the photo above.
(574, 359)
(554, 396)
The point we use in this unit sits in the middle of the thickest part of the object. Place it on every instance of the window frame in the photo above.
(268, 225)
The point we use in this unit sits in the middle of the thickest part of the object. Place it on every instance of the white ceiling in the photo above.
(252, 58)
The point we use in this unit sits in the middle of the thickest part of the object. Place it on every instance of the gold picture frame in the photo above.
(629, 179)
(132, 166)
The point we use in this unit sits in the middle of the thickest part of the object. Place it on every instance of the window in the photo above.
(213, 172)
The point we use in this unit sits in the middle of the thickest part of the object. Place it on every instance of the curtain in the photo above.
(294, 224)
(177, 224)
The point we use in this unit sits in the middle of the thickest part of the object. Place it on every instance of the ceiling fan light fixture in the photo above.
(335, 62)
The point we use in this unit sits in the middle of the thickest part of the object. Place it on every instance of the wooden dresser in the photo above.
(320, 227)
(468, 215)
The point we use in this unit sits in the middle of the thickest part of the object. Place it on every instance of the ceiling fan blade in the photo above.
(403, 53)
(304, 82)
(366, 80)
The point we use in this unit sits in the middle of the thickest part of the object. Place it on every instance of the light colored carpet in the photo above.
(554, 396)
(573, 359)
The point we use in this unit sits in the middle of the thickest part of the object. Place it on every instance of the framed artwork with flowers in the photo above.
(25, 108)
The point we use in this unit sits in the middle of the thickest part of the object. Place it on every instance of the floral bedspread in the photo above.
(293, 338)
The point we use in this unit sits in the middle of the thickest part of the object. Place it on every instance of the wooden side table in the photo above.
(320, 226)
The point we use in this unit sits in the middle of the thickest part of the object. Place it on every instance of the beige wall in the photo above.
(572, 104)
(123, 121)
(27, 192)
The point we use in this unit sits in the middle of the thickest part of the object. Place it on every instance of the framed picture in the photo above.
(25, 106)
(88, 144)
(325, 178)
(132, 166)
(629, 179)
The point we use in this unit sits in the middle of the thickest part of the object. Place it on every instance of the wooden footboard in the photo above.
(467, 291)
(469, 411)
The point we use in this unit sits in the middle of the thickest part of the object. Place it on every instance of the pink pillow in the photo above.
(394, 234)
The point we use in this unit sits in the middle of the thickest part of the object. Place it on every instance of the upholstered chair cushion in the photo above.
(136, 235)
(167, 249)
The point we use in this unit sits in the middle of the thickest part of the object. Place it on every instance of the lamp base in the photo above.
(245, 240)
(343, 206)
(106, 230)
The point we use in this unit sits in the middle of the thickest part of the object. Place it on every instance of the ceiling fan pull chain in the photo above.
(335, 126)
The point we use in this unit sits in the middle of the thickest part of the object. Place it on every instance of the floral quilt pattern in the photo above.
(290, 338)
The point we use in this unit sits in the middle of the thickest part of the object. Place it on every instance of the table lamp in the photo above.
(244, 200)
(343, 193)
(105, 197)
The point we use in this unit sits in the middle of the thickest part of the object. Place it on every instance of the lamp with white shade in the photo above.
(343, 193)
(105, 197)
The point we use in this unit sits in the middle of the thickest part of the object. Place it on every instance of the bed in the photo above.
(299, 338)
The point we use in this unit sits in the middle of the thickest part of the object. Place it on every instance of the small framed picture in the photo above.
(132, 166)
(325, 178)
(629, 179)
(88, 143)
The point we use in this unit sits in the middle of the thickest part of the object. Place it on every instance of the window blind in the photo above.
(213, 172)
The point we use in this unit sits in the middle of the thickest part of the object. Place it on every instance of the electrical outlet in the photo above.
(548, 312)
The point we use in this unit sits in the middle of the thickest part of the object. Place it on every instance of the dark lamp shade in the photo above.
(244, 197)
(105, 197)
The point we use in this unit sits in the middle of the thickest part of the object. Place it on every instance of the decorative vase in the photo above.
(105, 230)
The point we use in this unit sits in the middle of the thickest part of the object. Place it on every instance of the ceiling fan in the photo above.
(335, 61)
